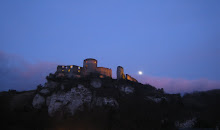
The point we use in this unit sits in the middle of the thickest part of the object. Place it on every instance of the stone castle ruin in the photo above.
(90, 68)
(121, 75)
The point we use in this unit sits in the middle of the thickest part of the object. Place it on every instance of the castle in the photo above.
(90, 68)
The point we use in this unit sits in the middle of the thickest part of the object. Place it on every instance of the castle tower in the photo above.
(89, 66)
(120, 73)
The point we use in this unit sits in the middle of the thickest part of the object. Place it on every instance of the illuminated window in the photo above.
(95, 62)
(78, 67)
(62, 66)
(68, 70)
(78, 70)
(62, 70)
(71, 66)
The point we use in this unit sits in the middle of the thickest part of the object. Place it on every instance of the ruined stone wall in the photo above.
(120, 73)
(89, 67)
(128, 77)
(69, 70)
(106, 72)
(75, 69)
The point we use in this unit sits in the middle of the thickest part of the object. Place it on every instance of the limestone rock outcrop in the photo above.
(101, 101)
(68, 102)
(96, 83)
(186, 124)
(60, 102)
(127, 89)
(66, 97)
(44, 91)
(38, 101)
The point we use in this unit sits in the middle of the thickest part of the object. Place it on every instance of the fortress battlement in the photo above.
(90, 67)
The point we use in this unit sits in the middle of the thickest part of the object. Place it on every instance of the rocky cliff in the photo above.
(66, 97)
(94, 103)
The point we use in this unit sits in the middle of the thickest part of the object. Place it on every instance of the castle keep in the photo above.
(90, 68)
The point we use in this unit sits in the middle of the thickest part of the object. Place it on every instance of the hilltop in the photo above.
(105, 103)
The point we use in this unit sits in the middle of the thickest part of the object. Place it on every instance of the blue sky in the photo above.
(165, 39)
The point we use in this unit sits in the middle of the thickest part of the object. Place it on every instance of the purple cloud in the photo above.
(16, 73)
(173, 85)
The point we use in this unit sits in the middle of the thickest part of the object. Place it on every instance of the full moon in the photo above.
(140, 72)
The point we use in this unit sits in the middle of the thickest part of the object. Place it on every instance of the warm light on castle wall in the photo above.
(76, 70)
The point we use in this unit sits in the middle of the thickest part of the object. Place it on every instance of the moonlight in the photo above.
(140, 72)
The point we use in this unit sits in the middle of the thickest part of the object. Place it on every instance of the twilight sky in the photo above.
(175, 43)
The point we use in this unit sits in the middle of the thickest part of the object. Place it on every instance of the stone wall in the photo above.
(69, 70)
(128, 77)
(89, 66)
(120, 73)
(106, 72)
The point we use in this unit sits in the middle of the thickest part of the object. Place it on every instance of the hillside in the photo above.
(105, 103)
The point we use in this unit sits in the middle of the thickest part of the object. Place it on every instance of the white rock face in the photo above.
(68, 101)
(157, 100)
(38, 101)
(127, 89)
(44, 91)
(61, 102)
(100, 101)
(187, 124)
(96, 83)
(110, 102)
